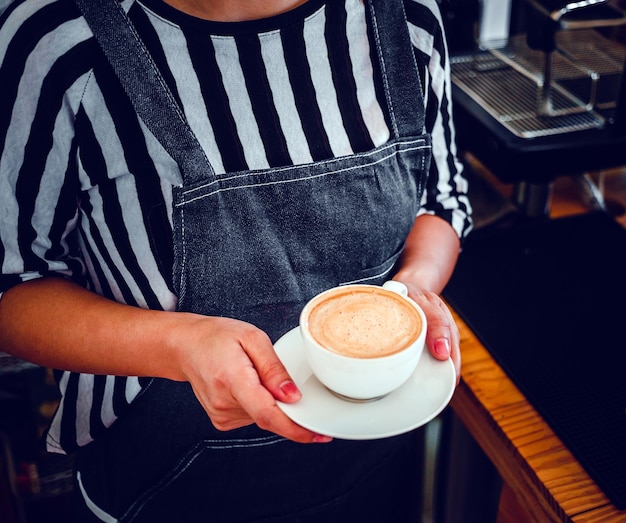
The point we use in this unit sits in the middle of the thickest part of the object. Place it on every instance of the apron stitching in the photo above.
(312, 177)
(331, 161)
(243, 445)
(421, 180)
(381, 59)
(386, 271)
(183, 263)
(264, 440)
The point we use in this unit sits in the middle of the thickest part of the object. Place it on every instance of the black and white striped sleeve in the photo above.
(37, 41)
(446, 190)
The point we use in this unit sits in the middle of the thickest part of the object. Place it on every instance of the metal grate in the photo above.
(508, 83)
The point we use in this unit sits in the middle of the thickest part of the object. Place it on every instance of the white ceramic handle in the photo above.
(397, 287)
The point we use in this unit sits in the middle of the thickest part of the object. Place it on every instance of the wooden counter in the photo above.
(539, 473)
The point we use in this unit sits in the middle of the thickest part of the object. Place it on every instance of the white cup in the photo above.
(353, 369)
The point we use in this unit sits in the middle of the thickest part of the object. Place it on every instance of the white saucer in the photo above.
(418, 401)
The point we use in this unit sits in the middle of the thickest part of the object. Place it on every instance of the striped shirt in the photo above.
(86, 189)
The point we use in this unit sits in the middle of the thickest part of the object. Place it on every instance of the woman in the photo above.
(159, 290)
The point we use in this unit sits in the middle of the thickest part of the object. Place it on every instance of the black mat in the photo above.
(548, 300)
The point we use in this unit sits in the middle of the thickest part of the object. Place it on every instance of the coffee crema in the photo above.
(364, 323)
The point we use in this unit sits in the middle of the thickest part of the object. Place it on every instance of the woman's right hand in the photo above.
(237, 376)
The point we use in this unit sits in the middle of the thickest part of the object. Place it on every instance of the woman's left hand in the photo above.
(425, 267)
(442, 337)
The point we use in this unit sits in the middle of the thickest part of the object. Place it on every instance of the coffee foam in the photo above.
(364, 323)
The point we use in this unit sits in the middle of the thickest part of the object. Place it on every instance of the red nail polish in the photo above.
(288, 388)
(442, 347)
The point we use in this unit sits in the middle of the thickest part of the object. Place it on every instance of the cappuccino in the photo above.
(364, 322)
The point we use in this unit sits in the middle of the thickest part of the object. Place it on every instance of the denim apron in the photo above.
(255, 246)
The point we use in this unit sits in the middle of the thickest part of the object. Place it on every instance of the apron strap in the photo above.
(403, 87)
(153, 101)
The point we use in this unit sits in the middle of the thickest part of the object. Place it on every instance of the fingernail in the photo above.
(288, 388)
(442, 347)
(318, 438)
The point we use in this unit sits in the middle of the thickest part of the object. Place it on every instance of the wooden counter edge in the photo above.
(515, 471)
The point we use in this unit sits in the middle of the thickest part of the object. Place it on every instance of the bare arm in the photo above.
(230, 364)
(58, 324)
(431, 252)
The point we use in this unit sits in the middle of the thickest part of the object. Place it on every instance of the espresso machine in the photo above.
(538, 90)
